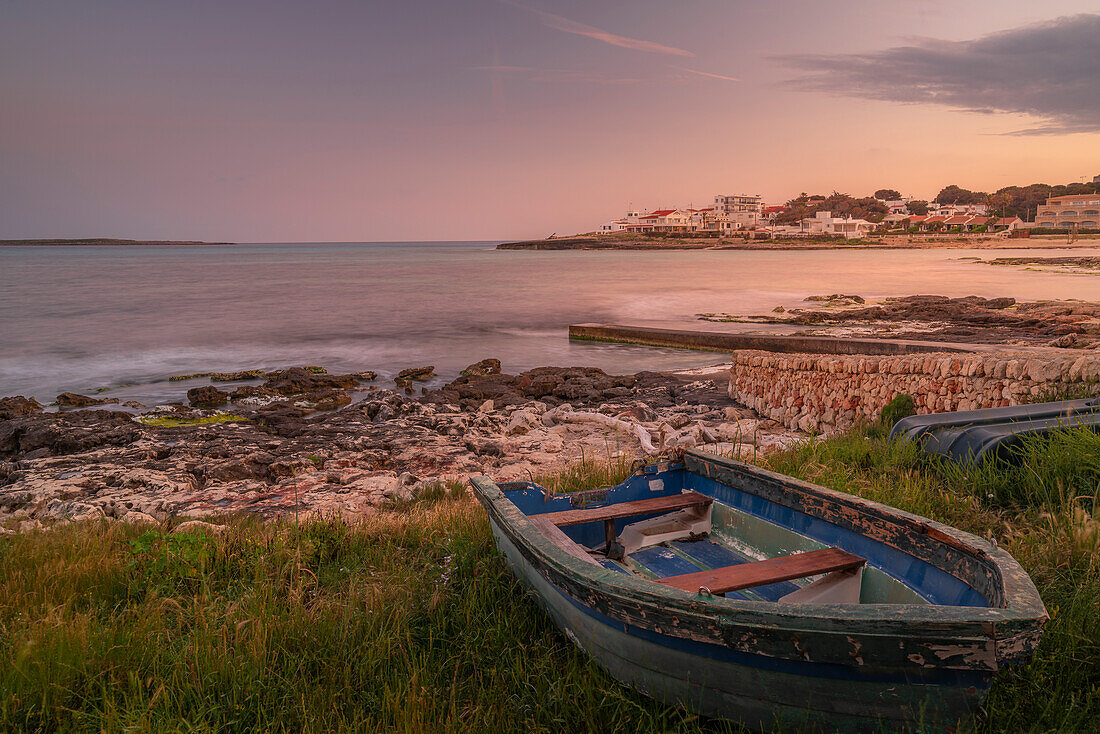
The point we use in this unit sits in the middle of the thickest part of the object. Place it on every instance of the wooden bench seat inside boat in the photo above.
(610, 513)
(770, 571)
(626, 509)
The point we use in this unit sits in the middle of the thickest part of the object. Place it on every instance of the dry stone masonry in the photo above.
(826, 393)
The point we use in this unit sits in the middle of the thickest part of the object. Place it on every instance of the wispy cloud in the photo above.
(566, 25)
(710, 74)
(1048, 70)
(504, 68)
(534, 74)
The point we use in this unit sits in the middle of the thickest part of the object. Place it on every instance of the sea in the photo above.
(118, 321)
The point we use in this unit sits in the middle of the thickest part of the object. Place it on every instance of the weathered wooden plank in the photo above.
(626, 509)
(770, 571)
(554, 534)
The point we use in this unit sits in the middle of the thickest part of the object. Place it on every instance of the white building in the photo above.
(744, 211)
(826, 223)
(958, 210)
(897, 206)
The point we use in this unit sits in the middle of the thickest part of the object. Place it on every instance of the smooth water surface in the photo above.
(79, 318)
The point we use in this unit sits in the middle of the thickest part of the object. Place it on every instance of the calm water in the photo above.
(79, 318)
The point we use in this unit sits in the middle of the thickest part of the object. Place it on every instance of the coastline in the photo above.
(309, 443)
(885, 242)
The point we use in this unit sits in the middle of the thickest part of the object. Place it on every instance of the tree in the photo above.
(954, 195)
(917, 207)
(887, 194)
(868, 207)
(799, 208)
(841, 205)
(1023, 201)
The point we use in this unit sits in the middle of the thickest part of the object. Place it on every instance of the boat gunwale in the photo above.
(1011, 630)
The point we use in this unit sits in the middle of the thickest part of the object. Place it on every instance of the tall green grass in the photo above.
(1039, 503)
(407, 620)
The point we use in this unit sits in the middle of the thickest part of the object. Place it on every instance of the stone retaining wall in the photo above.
(814, 392)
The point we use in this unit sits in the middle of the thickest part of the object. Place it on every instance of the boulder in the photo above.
(484, 367)
(522, 422)
(252, 391)
(75, 400)
(198, 526)
(207, 396)
(330, 399)
(133, 517)
(237, 376)
(298, 380)
(17, 405)
(639, 412)
(415, 373)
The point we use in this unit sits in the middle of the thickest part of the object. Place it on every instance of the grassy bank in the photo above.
(407, 621)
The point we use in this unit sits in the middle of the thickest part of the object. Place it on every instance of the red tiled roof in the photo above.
(771, 209)
(658, 213)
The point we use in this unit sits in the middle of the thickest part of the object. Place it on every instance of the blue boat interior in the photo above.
(743, 528)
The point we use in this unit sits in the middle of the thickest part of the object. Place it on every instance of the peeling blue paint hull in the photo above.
(768, 664)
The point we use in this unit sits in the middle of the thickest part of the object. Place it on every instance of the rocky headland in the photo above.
(99, 241)
(306, 442)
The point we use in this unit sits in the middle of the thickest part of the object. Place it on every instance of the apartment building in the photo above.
(1080, 211)
(744, 211)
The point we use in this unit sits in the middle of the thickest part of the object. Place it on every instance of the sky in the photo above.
(272, 121)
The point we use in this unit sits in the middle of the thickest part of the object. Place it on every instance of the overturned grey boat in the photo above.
(971, 436)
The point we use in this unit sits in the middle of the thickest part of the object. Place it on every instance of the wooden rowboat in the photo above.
(743, 594)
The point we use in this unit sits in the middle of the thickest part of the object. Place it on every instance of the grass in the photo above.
(1041, 508)
(408, 621)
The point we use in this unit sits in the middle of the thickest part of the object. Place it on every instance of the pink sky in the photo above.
(489, 119)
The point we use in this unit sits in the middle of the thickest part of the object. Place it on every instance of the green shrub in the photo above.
(902, 406)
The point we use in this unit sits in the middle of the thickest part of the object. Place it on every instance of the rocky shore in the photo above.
(1063, 324)
(306, 442)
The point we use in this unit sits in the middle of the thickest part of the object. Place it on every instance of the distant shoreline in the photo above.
(688, 241)
(100, 241)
